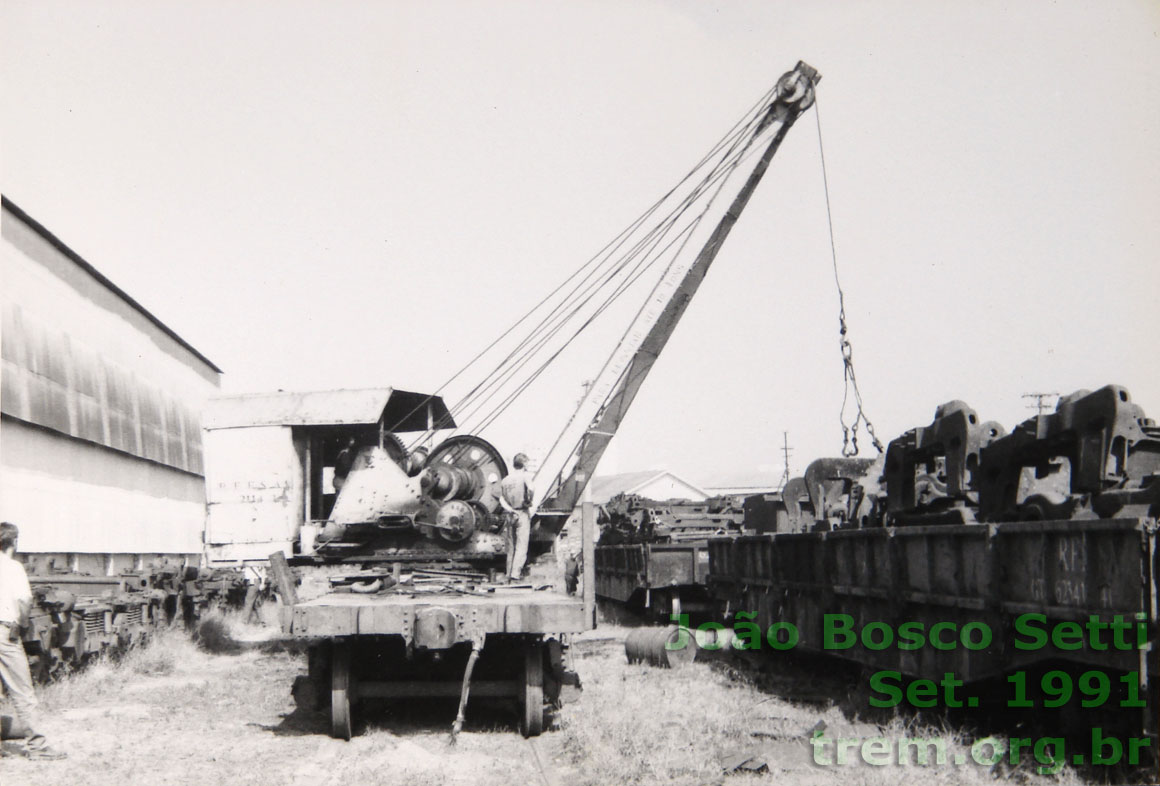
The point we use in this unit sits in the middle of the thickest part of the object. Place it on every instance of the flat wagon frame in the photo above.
(664, 579)
(1066, 571)
(411, 644)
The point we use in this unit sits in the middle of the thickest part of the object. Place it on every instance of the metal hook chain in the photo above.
(849, 431)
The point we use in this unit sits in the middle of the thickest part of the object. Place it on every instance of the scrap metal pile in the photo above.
(414, 581)
(76, 618)
(630, 518)
(1097, 457)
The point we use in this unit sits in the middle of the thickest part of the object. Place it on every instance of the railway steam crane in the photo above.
(393, 638)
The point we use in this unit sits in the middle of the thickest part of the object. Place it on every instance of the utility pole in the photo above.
(1040, 404)
(785, 450)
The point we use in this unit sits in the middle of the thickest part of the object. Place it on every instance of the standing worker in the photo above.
(15, 608)
(344, 463)
(516, 498)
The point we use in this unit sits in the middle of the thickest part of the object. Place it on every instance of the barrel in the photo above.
(657, 646)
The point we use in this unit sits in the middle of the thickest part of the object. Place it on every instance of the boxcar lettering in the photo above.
(1070, 592)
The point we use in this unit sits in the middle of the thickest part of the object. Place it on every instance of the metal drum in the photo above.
(669, 647)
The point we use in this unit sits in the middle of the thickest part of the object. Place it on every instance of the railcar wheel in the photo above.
(532, 717)
(341, 686)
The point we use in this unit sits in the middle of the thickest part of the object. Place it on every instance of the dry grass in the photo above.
(173, 712)
(213, 635)
(641, 725)
(165, 653)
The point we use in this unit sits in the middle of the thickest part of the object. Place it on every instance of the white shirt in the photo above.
(15, 593)
(516, 490)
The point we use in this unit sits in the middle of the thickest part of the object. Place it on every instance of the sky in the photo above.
(348, 194)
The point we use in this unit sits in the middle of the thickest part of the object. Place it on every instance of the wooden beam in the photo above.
(283, 578)
(588, 549)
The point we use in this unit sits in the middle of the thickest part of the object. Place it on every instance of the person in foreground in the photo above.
(15, 608)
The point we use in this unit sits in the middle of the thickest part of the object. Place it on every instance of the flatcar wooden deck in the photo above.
(497, 610)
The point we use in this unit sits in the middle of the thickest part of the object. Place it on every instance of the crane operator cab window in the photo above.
(329, 455)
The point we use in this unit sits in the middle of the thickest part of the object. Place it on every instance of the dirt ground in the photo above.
(172, 713)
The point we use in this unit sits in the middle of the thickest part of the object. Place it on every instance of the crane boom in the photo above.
(568, 467)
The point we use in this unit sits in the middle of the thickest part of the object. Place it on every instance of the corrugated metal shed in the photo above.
(51, 380)
(101, 457)
(80, 357)
(399, 410)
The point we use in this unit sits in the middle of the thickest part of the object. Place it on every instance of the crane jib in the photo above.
(569, 465)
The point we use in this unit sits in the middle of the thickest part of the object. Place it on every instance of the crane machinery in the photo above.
(417, 624)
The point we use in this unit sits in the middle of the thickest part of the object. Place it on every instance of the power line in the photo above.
(785, 451)
(1040, 404)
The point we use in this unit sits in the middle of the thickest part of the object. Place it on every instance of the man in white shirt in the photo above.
(516, 498)
(15, 608)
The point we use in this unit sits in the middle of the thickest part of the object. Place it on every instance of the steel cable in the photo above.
(849, 379)
(558, 315)
(718, 176)
(580, 296)
(764, 100)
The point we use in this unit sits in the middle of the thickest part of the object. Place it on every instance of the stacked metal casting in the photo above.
(631, 518)
(1096, 456)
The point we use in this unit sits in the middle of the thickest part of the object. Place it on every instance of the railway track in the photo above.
(547, 776)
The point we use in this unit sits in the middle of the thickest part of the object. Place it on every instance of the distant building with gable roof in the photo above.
(658, 484)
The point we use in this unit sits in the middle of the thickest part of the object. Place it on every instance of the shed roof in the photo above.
(606, 487)
(81, 263)
(751, 482)
(400, 410)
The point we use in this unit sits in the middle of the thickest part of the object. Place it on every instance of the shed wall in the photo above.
(72, 496)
